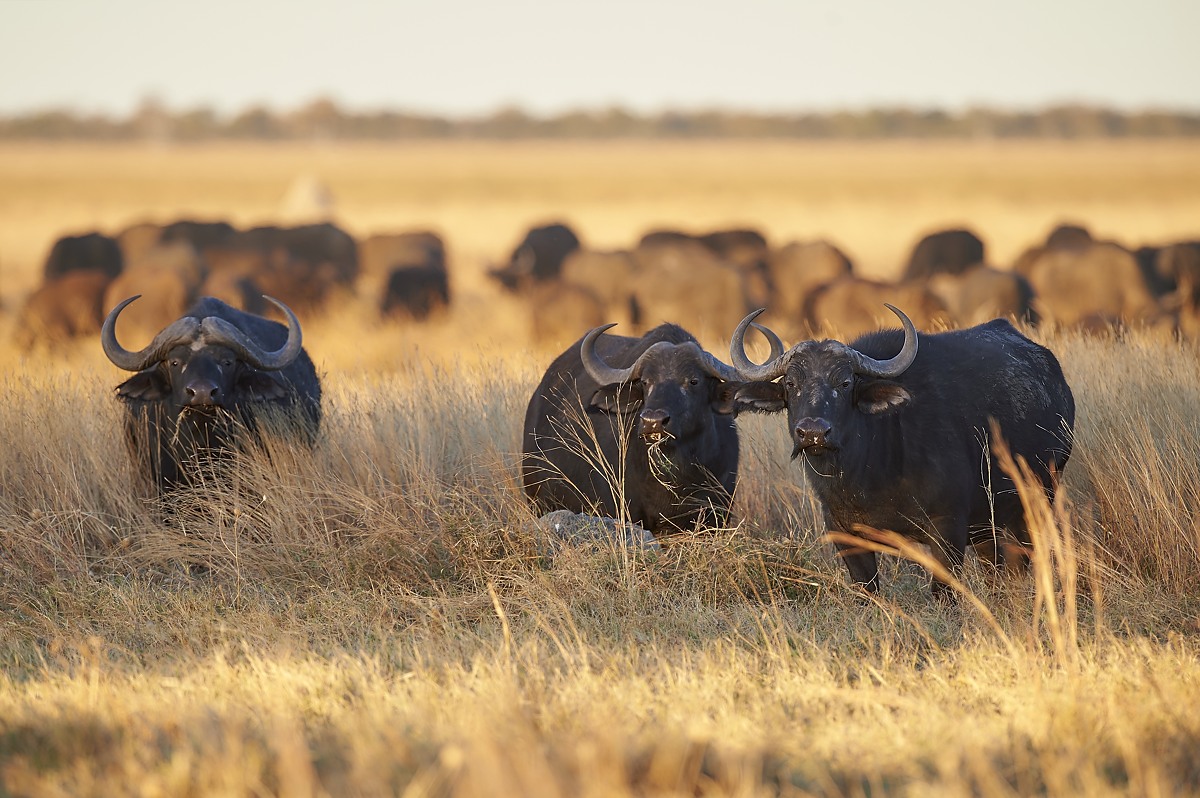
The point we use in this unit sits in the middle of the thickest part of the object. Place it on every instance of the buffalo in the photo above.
(382, 253)
(895, 431)
(684, 277)
(201, 235)
(1075, 287)
(637, 428)
(63, 308)
(538, 258)
(611, 277)
(983, 293)
(88, 252)
(200, 384)
(415, 292)
(562, 311)
(168, 276)
(944, 252)
(850, 306)
(796, 270)
(304, 265)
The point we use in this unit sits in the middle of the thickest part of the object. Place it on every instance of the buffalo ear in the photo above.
(881, 396)
(145, 386)
(759, 397)
(623, 398)
(260, 386)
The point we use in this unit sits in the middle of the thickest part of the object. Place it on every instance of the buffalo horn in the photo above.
(600, 371)
(178, 332)
(218, 331)
(747, 369)
(716, 368)
(895, 366)
(777, 348)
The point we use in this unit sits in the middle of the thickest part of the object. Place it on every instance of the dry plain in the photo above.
(376, 617)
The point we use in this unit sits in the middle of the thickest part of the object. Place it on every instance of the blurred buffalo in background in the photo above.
(852, 306)
(88, 252)
(407, 272)
(538, 258)
(944, 252)
(66, 307)
(168, 276)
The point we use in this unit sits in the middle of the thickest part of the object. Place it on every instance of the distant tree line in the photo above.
(323, 119)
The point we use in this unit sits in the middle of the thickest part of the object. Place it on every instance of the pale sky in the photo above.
(466, 57)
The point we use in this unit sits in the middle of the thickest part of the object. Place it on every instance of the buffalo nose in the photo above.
(812, 431)
(654, 422)
(202, 392)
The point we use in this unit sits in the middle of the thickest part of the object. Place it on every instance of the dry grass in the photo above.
(376, 617)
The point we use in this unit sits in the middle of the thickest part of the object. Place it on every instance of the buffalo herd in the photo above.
(895, 429)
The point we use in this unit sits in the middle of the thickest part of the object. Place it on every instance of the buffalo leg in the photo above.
(950, 550)
(862, 564)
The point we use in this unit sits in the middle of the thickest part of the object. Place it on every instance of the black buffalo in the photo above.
(944, 252)
(416, 292)
(639, 428)
(892, 439)
(538, 258)
(92, 252)
(200, 382)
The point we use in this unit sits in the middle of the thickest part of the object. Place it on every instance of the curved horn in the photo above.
(178, 332)
(777, 347)
(600, 371)
(715, 367)
(895, 366)
(219, 331)
(747, 369)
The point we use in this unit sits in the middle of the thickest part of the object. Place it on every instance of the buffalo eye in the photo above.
(693, 381)
(227, 362)
(846, 383)
(790, 384)
(174, 363)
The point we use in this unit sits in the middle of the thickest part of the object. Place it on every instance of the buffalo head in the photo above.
(202, 364)
(825, 386)
(675, 388)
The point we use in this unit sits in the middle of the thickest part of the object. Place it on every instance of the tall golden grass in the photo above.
(377, 616)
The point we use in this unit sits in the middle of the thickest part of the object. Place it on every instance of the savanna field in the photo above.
(380, 616)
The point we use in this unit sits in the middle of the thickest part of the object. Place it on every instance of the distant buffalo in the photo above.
(88, 252)
(1064, 236)
(743, 249)
(983, 293)
(201, 384)
(201, 235)
(796, 270)
(635, 428)
(168, 276)
(415, 292)
(382, 253)
(612, 278)
(61, 309)
(1077, 287)
(303, 266)
(851, 306)
(685, 279)
(944, 252)
(538, 258)
(895, 431)
(562, 311)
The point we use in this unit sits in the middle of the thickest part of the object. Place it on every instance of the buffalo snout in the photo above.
(202, 393)
(813, 432)
(654, 423)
